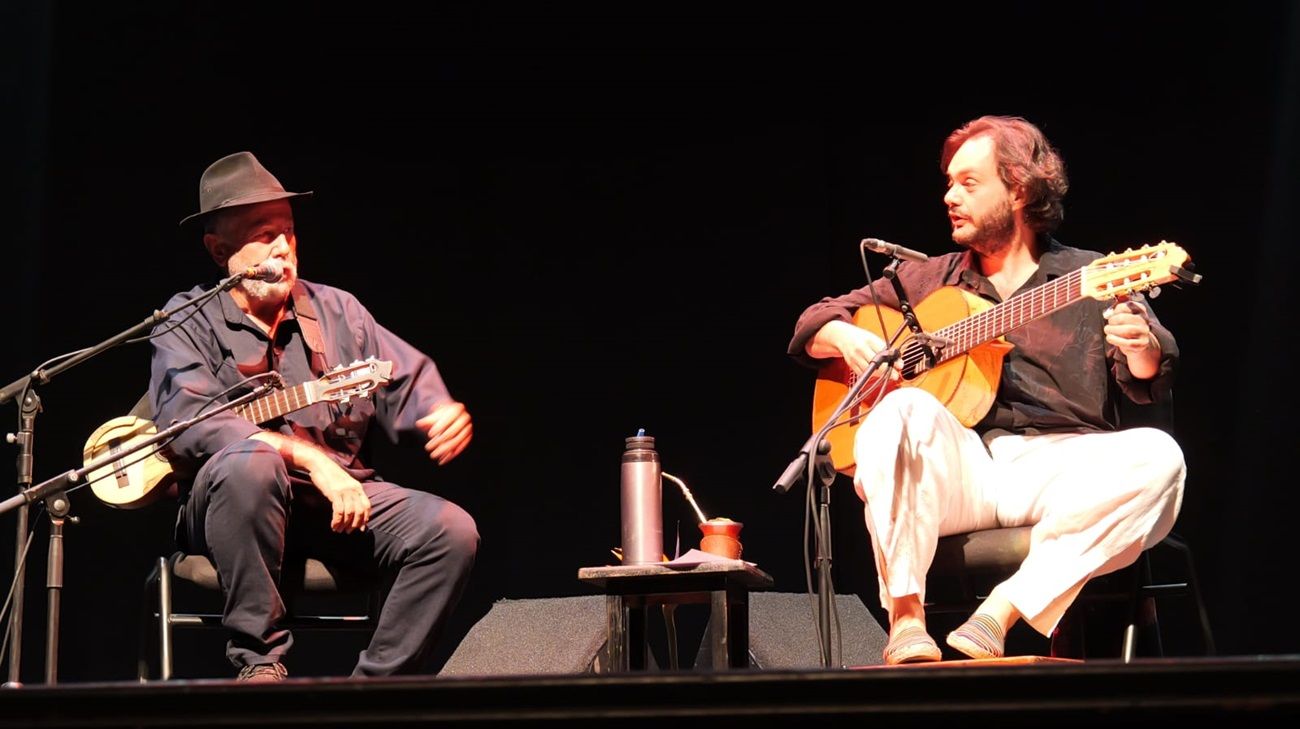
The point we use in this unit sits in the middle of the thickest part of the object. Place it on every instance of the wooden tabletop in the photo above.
(745, 573)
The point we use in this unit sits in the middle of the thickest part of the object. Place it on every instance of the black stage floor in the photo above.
(1263, 690)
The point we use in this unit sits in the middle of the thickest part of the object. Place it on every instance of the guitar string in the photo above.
(114, 470)
(969, 332)
(979, 328)
(272, 375)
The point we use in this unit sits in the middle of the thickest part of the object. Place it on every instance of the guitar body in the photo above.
(965, 384)
(135, 480)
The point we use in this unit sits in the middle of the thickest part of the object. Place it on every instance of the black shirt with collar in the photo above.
(1061, 375)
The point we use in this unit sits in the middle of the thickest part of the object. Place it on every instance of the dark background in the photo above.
(598, 223)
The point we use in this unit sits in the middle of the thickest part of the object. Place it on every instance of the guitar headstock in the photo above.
(345, 382)
(1122, 274)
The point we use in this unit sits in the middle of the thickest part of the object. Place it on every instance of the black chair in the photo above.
(978, 561)
(299, 579)
(967, 566)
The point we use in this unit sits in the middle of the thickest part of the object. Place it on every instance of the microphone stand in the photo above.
(819, 471)
(56, 505)
(53, 492)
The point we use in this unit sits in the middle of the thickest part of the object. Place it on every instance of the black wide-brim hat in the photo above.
(234, 180)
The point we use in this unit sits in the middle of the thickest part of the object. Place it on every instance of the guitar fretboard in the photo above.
(1017, 311)
(270, 407)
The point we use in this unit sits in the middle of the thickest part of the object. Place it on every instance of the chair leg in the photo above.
(1067, 640)
(1207, 633)
(143, 660)
(1141, 575)
(165, 617)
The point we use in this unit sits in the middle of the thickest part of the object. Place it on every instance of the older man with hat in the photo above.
(296, 484)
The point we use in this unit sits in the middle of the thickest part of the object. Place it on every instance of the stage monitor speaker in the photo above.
(554, 635)
(782, 634)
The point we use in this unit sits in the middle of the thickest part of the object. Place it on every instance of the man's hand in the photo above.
(1128, 328)
(856, 345)
(346, 495)
(449, 429)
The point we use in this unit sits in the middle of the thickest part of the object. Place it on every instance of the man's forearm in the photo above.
(296, 453)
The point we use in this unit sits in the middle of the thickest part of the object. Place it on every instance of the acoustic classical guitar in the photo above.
(138, 479)
(966, 338)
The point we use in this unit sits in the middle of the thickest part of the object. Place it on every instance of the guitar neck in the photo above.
(1011, 314)
(269, 407)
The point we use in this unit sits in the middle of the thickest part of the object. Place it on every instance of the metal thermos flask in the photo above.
(642, 491)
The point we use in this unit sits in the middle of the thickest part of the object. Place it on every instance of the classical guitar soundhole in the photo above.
(914, 360)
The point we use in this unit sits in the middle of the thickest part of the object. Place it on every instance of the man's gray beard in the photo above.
(995, 234)
(257, 290)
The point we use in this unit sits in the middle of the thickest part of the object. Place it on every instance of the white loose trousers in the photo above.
(1095, 500)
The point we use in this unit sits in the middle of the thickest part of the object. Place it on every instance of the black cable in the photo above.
(13, 586)
(27, 386)
(878, 390)
(194, 309)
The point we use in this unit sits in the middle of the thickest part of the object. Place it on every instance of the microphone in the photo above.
(270, 271)
(897, 251)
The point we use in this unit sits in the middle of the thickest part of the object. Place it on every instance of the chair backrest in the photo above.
(143, 408)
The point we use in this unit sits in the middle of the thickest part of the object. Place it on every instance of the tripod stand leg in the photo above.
(16, 607)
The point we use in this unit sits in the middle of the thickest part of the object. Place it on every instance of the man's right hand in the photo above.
(856, 345)
(346, 495)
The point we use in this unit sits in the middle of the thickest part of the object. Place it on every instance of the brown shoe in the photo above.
(264, 673)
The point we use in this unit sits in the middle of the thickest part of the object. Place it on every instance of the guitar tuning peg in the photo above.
(1154, 292)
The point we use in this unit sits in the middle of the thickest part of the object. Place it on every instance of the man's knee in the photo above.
(1162, 458)
(445, 527)
(459, 531)
(253, 469)
(908, 402)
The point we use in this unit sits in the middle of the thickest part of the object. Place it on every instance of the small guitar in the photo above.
(138, 480)
(967, 362)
